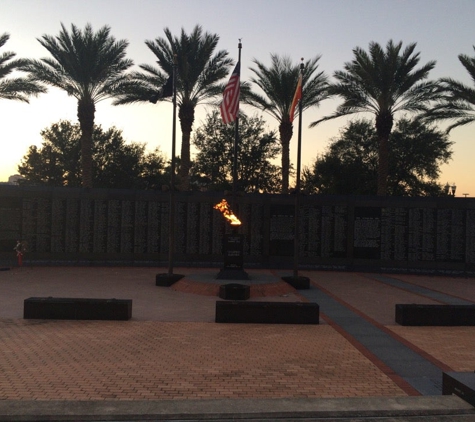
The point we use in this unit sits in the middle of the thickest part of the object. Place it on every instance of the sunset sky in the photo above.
(442, 30)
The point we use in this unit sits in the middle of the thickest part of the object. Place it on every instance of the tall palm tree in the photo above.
(199, 70)
(383, 82)
(279, 82)
(17, 88)
(90, 67)
(457, 101)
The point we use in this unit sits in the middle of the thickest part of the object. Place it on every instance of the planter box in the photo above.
(77, 308)
(435, 315)
(267, 312)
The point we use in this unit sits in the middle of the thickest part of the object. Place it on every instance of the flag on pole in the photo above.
(297, 98)
(166, 90)
(230, 104)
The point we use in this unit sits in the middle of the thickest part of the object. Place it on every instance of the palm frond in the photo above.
(279, 81)
(18, 88)
(383, 81)
(84, 63)
(456, 100)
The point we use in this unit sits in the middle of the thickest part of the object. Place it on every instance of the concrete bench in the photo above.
(435, 315)
(77, 308)
(267, 312)
(461, 384)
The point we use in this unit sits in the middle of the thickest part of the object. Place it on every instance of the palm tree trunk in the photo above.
(285, 131)
(384, 124)
(186, 114)
(86, 111)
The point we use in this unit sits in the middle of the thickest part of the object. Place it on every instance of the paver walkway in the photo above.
(172, 349)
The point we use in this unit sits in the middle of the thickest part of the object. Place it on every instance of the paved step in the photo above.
(426, 409)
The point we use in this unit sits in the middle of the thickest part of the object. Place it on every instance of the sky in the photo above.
(298, 29)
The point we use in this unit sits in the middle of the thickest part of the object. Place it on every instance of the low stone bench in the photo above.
(461, 384)
(435, 315)
(77, 308)
(267, 312)
(234, 291)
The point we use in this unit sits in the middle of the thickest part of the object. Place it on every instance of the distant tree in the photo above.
(89, 66)
(15, 88)
(457, 100)
(212, 167)
(279, 82)
(383, 82)
(116, 164)
(200, 72)
(416, 152)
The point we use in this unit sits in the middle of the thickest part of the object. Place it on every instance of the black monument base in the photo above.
(234, 291)
(461, 384)
(298, 282)
(267, 312)
(166, 280)
(77, 308)
(435, 315)
(232, 274)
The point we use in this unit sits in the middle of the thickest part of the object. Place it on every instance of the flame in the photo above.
(223, 207)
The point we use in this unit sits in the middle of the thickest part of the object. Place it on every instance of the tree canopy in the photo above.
(416, 152)
(117, 164)
(383, 82)
(212, 167)
(278, 83)
(200, 70)
(90, 67)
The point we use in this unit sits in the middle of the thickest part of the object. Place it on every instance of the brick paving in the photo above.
(455, 346)
(100, 360)
(172, 349)
(451, 348)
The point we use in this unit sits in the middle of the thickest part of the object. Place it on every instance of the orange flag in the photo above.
(297, 98)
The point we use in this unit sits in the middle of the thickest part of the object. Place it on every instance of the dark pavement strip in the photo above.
(432, 294)
(421, 374)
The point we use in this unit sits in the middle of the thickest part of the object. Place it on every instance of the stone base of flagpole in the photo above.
(297, 282)
(232, 274)
(166, 280)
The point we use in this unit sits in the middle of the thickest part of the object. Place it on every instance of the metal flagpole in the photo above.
(236, 139)
(169, 278)
(171, 228)
(297, 183)
(296, 281)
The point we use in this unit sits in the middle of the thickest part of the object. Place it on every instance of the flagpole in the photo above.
(297, 182)
(296, 281)
(169, 278)
(171, 225)
(236, 139)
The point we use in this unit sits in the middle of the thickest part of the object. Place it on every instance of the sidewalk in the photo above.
(171, 349)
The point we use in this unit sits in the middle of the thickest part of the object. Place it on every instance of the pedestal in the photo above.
(233, 258)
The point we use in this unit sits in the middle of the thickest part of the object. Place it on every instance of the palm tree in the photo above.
(199, 70)
(457, 101)
(383, 83)
(279, 82)
(89, 66)
(19, 88)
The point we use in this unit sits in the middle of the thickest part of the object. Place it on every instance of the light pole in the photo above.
(450, 190)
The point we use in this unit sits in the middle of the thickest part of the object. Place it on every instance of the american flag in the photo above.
(230, 105)
(297, 98)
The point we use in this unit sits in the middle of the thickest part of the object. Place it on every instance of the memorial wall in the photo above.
(64, 225)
